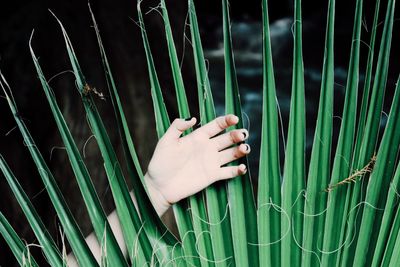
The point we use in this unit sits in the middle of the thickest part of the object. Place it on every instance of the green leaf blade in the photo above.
(318, 176)
(240, 193)
(18, 248)
(294, 165)
(341, 169)
(370, 134)
(50, 249)
(379, 181)
(72, 232)
(216, 194)
(182, 209)
(269, 187)
(388, 215)
(91, 199)
(127, 213)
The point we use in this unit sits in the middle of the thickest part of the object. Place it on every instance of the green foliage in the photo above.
(18, 248)
(331, 216)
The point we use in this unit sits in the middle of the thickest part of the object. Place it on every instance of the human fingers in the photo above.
(233, 153)
(178, 126)
(227, 139)
(231, 171)
(218, 125)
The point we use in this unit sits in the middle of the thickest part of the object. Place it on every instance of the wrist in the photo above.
(161, 205)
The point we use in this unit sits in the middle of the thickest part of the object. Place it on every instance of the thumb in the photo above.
(178, 126)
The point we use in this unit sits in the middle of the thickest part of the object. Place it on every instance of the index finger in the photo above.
(218, 125)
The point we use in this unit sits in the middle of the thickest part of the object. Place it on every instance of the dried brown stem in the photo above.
(88, 89)
(356, 174)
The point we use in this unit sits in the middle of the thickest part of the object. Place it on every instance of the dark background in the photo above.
(123, 44)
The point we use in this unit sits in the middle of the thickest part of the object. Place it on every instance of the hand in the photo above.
(183, 166)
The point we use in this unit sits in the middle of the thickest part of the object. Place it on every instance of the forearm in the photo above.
(160, 205)
(94, 244)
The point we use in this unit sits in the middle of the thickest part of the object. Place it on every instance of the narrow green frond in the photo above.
(183, 105)
(367, 85)
(127, 213)
(335, 213)
(390, 244)
(240, 192)
(14, 242)
(319, 170)
(269, 187)
(387, 219)
(395, 259)
(182, 209)
(379, 182)
(153, 225)
(205, 104)
(71, 228)
(50, 249)
(88, 192)
(216, 194)
(294, 165)
(160, 111)
(370, 134)
(116, 101)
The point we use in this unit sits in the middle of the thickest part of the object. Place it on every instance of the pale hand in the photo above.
(183, 166)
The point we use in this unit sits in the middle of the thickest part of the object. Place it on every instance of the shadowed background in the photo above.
(122, 40)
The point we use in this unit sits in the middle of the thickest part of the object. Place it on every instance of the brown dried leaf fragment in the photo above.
(356, 174)
(88, 89)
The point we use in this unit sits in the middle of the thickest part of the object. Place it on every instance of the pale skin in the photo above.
(183, 166)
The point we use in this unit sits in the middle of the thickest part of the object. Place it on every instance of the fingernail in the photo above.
(235, 118)
(244, 169)
(244, 134)
(247, 147)
(188, 119)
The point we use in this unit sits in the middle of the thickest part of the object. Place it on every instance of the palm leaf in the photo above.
(90, 197)
(216, 194)
(337, 197)
(221, 225)
(379, 182)
(269, 195)
(50, 249)
(146, 209)
(294, 172)
(370, 135)
(390, 207)
(182, 209)
(127, 214)
(318, 176)
(71, 228)
(240, 192)
(18, 248)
